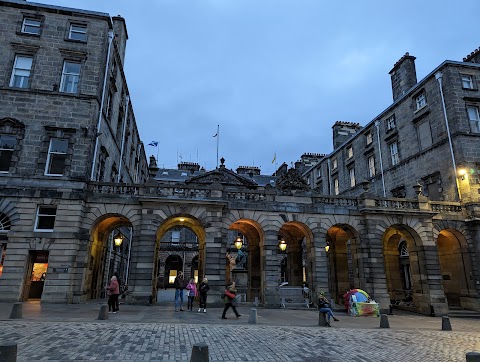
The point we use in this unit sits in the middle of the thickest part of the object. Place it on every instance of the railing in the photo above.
(249, 196)
(335, 200)
(402, 204)
(445, 207)
(114, 188)
(294, 295)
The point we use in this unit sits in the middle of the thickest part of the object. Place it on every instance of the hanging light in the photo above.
(118, 239)
(327, 248)
(238, 242)
(282, 244)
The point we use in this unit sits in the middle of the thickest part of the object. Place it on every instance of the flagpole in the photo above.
(218, 140)
(157, 151)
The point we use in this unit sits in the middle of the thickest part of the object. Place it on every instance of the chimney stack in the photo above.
(404, 76)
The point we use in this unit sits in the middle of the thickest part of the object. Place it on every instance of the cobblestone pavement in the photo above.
(106, 341)
(60, 332)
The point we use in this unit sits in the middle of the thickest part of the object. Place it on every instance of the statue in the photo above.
(241, 259)
(231, 258)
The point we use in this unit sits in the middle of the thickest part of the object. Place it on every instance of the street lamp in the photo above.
(238, 242)
(327, 248)
(282, 244)
(118, 239)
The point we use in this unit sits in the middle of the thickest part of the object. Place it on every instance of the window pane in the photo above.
(5, 160)
(78, 32)
(72, 68)
(31, 26)
(46, 222)
(47, 211)
(59, 145)
(57, 164)
(23, 63)
(7, 142)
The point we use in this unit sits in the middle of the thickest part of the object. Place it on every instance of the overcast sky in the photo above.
(274, 74)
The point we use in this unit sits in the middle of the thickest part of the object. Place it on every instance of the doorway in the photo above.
(36, 274)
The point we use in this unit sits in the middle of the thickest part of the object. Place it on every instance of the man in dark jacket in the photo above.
(179, 284)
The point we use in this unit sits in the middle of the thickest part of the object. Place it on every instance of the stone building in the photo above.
(76, 204)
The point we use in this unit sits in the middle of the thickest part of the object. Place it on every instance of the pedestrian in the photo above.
(109, 297)
(114, 293)
(324, 307)
(179, 284)
(204, 288)
(192, 293)
(120, 290)
(229, 297)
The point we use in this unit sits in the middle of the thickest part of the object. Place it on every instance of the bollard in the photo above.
(473, 357)
(384, 321)
(252, 318)
(257, 302)
(8, 352)
(103, 313)
(322, 319)
(199, 353)
(446, 326)
(16, 312)
(390, 312)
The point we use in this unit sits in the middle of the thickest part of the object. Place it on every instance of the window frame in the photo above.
(369, 138)
(65, 75)
(12, 150)
(390, 123)
(39, 215)
(174, 239)
(469, 80)
(72, 31)
(334, 163)
(349, 150)
(351, 177)
(472, 121)
(372, 172)
(394, 157)
(14, 68)
(420, 101)
(336, 186)
(24, 25)
(48, 162)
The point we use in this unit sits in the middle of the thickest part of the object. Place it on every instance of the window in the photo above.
(78, 32)
(371, 166)
(424, 135)
(349, 152)
(175, 236)
(70, 77)
(474, 118)
(57, 154)
(336, 186)
(391, 123)
(45, 219)
(7, 145)
(109, 104)
(31, 26)
(351, 175)
(369, 138)
(334, 164)
(394, 153)
(420, 101)
(467, 81)
(21, 72)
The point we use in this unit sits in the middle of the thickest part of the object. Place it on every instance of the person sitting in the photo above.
(324, 307)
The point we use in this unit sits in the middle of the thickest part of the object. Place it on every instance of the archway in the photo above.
(344, 269)
(109, 253)
(455, 266)
(179, 247)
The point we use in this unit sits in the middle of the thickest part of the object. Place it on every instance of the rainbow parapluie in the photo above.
(360, 295)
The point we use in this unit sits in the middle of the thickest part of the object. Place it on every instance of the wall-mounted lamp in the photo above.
(462, 172)
(282, 244)
(118, 239)
(182, 219)
(327, 248)
(238, 242)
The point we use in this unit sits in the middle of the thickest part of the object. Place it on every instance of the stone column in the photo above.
(319, 264)
(270, 272)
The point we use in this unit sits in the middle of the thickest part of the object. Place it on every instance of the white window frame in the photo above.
(7, 149)
(371, 166)
(467, 81)
(76, 78)
(369, 138)
(391, 123)
(40, 215)
(49, 157)
(34, 23)
(81, 29)
(351, 176)
(474, 118)
(349, 152)
(394, 153)
(175, 237)
(420, 101)
(16, 68)
(334, 163)
(336, 186)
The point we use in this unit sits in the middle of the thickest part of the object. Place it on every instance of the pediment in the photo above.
(11, 122)
(291, 181)
(223, 177)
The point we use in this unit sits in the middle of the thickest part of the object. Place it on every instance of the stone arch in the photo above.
(454, 255)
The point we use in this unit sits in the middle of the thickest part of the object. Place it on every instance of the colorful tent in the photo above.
(358, 302)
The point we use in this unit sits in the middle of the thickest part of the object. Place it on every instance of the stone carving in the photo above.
(241, 259)
(224, 177)
(291, 180)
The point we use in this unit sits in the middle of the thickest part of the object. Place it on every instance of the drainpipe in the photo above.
(100, 114)
(329, 178)
(127, 101)
(438, 76)
(377, 124)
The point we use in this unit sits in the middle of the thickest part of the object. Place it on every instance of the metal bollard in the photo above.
(8, 352)
(103, 312)
(252, 318)
(473, 356)
(446, 326)
(384, 321)
(16, 312)
(322, 319)
(199, 353)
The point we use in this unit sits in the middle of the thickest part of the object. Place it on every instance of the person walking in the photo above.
(192, 293)
(204, 288)
(114, 293)
(324, 307)
(179, 284)
(228, 299)
(109, 297)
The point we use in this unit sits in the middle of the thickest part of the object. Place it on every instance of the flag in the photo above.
(216, 134)
(274, 158)
(153, 143)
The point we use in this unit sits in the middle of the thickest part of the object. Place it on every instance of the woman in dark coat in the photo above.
(204, 288)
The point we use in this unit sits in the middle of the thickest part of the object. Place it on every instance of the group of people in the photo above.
(193, 292)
